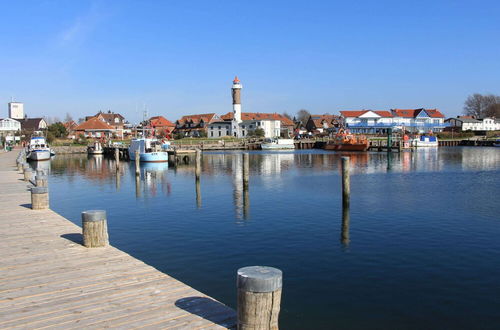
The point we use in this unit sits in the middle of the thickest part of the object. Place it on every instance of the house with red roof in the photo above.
(367, 121)
(194, 125)
(378, 121)
(161, 125)
(419, 120)
(322, 123)
(94, 128)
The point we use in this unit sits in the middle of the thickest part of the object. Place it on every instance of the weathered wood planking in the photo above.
(48, 279)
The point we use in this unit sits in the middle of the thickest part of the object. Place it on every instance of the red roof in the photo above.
(357, 113)
(319, 120)
(412, 113)
(93, 124)
(260, 116)
(206, 117)
(236, 80)
(434, 113)
(160, 121)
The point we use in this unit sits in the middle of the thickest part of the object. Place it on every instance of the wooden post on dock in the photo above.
(259, 297)
(346, 183)
(28, 174)
(41, 181)
(137, 163)
(39, 198)
(246, 169)
(197, 170)
(117, 158)
(94, 228)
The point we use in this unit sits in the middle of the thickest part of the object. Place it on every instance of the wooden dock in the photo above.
(49, 280)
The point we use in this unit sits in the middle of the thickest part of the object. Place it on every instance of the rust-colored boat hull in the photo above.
(346, 146)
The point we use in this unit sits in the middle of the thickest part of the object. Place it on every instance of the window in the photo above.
(219, 127)
(243, 126)
(251, 126)
(212, 134)
(220, 133)
(117, 120)
(258, 123)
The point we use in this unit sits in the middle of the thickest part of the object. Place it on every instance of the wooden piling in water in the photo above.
(39, 198)
(346, 182)
(137, 163)
(117, 158)
(344, 233)
(246, 169)
(94, 228)
(197, 170)
(259, 297)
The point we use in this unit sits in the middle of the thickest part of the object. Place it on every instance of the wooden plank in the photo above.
(47, 280)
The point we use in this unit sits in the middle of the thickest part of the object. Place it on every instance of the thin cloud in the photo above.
(81, 28)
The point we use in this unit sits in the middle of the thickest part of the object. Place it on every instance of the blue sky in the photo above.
(179, 57)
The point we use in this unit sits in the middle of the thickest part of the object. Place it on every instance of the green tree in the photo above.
(58, 130)
(259, 132)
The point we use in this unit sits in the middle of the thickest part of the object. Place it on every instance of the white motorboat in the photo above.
(273, 144)
(150, 150)
(95, 148)
(425, 141)
(38, 149)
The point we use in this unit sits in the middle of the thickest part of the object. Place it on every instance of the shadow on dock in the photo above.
(74, 237)
(209, 309)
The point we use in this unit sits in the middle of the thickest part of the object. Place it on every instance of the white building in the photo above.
(16, 110)
(468, 123)
(377, 122)
(9, 126)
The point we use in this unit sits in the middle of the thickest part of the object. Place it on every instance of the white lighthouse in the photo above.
(236, 92)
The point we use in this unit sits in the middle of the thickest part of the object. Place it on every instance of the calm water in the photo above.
(421, 249)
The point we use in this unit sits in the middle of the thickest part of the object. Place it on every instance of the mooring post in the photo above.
(20, 166)
(39, 198)
(246, 169)
(198, 193)
(259, 297)
(344, 233)
(41, 181)
(117, 158)
(137, 163)
(137, 186)
(198, 164)
(346, 183)
(94, 228)
(28, 174)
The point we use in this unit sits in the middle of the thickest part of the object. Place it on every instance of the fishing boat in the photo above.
(274, 144)
(38, 149)
(344, 141)
(425, 141)
(95, 148)
(150, 150)
(496, 143)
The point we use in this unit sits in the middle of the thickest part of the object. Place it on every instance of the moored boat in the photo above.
(150, 150)
(38, 149)
(95, 148)
(347, 142)
(274, 144)
(496, 143)
(425, 141)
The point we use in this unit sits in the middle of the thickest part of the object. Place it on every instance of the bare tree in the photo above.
(481, 106)
(287, 115)
(303, 116)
